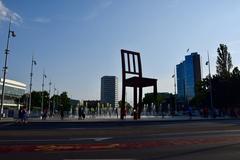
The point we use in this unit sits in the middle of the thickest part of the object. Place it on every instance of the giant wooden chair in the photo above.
(131, 65)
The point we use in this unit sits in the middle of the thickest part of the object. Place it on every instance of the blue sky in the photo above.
(79, 41)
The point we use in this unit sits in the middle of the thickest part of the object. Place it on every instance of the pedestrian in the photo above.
(83, 114)
(214, 113)
(80, 113)
(44, 116)
(116, 110)
(162, 111)
(206, 112)
(173, 113)
(125, 113)
(24, 115)
(62, 114)
(190, 112)
(20, 115)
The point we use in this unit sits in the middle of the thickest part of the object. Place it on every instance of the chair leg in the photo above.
(155, 89)
(135, 108)
(140, 106)
(123, 109)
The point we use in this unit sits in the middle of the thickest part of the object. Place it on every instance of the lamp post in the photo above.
(30, 85)
(49, 98)
(57, 100)
(210, 84)
(54, 103)
(44, 76)
(175, 93)
(10, 33)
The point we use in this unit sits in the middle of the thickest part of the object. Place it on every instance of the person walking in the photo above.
(116, 110)
(62, 114)
(44, 116)
(20, 115)
(80, 112)
(24, 115)
(190, 112)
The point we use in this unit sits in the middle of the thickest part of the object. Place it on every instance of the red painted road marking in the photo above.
(122, 145)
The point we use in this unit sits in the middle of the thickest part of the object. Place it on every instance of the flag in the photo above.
(34, 62)
(187, 49)
(207, 62)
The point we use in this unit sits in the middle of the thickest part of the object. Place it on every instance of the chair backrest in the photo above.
(131, 63)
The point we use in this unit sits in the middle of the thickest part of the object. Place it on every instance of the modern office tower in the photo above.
(180, 82)
(109, 90)
(188, 74)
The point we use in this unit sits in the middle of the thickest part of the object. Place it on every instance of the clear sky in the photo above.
(79, 41)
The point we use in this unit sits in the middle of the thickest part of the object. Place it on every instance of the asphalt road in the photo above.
(170, 140)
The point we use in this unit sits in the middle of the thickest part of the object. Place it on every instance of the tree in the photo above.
(36, 101)
(225, 85)
(65, 104)
(23, 99)
(55, 99)
(128, 106)
(202, 97)
(235, 73)
(224, 61)
(162, 99)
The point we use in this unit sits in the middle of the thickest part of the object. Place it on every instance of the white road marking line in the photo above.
(97, 139)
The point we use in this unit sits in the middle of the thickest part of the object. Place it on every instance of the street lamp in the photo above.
(54, 103)
(44, 76)
(175, 93)
(10, 33)
(57, 104)
(210, 84)
(30, 85)
(49, 98)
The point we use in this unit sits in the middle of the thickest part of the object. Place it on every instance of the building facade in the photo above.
(188, 75)
(12, 94)
(109, 90)
(180, 81)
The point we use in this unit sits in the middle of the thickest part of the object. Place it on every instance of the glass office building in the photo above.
(109, 90)
(12, 93)
(180, 81)
(188, 74)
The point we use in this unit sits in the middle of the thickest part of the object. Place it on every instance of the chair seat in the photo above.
(140, 82)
